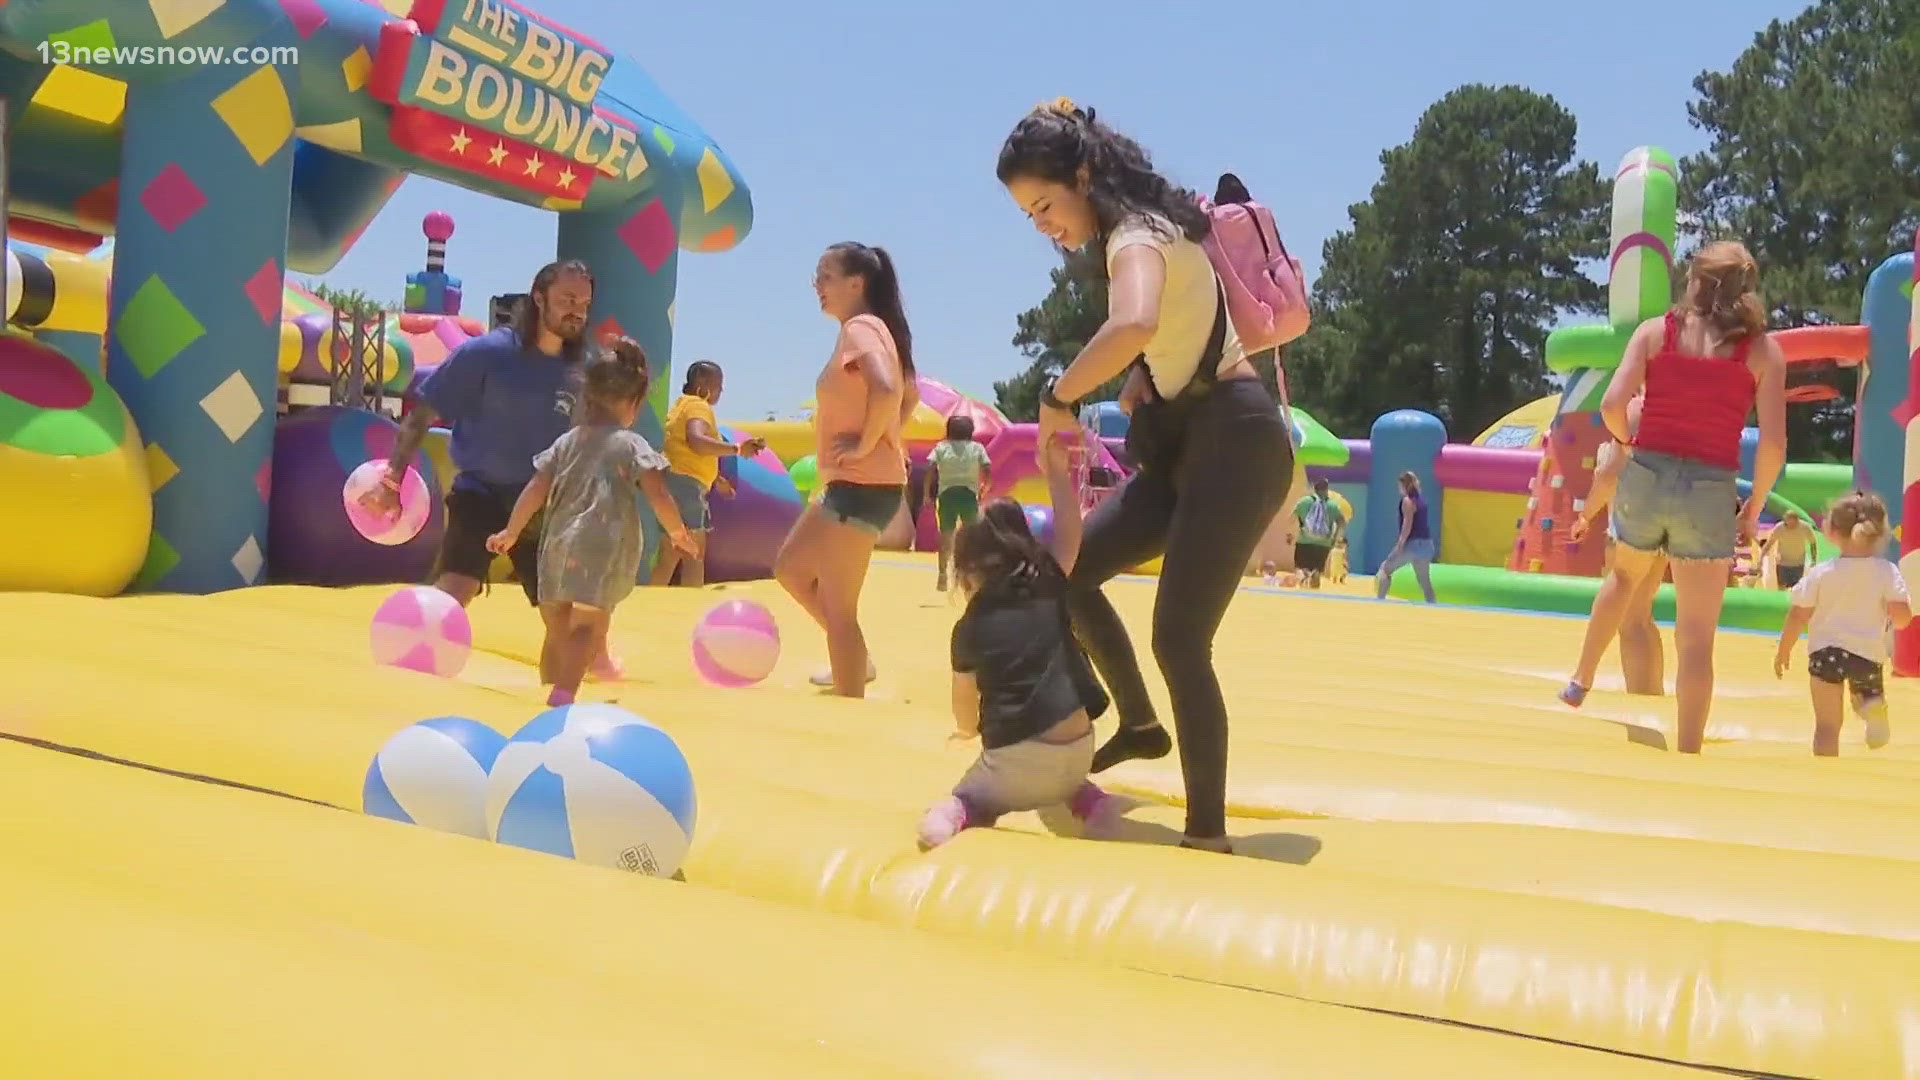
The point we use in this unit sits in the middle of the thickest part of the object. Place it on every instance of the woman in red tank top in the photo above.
(1703, 368)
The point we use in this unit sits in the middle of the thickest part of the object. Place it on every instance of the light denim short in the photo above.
(690, 499)
(1688, 509)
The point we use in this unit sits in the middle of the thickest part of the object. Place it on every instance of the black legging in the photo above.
(1206, 518)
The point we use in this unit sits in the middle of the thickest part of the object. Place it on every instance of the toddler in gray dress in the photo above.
(590, 544)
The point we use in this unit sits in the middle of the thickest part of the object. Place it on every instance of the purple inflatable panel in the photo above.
(749, 528)
(309, 539)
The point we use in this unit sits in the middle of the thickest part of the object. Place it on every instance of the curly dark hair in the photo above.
(1054, 142)
(998, 553)
(614, 379)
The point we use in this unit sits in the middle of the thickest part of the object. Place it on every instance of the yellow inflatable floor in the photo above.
(1443, 871)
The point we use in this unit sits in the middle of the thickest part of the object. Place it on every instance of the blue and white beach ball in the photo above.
(596, 783)
(434, 773)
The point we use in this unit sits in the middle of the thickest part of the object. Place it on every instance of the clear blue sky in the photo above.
(879, 120)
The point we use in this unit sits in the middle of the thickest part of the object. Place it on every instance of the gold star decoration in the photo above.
(498, 154)
(460, 141)
(533, 164)
(566, 178)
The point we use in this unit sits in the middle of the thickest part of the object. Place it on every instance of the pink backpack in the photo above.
(1266, 290)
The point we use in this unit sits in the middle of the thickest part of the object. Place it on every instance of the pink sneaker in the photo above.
(942, 823)
(1100, 814)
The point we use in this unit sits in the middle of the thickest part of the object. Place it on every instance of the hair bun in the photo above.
(1065, 107)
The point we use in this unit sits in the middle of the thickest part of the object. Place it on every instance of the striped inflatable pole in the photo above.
(1906, 646)
(1639, 287)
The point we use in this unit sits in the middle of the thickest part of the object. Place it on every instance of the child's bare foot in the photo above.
(1874, 712)
(824, 677)
(559, 697)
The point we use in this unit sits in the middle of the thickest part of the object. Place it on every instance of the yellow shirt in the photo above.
(683, 457)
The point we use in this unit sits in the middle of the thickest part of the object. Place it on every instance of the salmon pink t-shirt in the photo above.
(841, 399)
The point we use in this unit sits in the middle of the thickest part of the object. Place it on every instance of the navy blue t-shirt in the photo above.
(504, 403)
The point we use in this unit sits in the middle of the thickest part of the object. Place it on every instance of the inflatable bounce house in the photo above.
(320, 863)
(147, 457)
(1503, 505)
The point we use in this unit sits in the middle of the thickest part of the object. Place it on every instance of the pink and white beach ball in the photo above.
(422, 629)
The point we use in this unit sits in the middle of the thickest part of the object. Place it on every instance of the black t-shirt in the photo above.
(1017, 642)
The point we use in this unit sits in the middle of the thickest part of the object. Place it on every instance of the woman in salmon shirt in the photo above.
(863, 398)
(1704, 368)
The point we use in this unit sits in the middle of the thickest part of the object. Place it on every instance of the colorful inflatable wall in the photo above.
(217, 179)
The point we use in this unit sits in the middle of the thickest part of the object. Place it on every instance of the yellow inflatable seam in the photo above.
(543, 966)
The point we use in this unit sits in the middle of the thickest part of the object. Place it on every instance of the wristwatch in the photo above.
(1048, 399)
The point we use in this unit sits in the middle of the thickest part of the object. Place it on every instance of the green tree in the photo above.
(1814, 163)
(1053, 333)
(352, 301)
(1440, 294)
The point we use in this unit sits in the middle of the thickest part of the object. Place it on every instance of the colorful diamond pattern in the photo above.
(340, 135)
(161, 559)
(263, 480)
(609, 330)
(715, 182)
(155, 327)
(97, 208)
(306, 15)
(97, 34)
(160, 467)
(233, 406)
(265, 290)
(258, 113)
(649, 235)
(248, 560)
(665, 140)
(356, 68)
(172, 197)
(176, 17)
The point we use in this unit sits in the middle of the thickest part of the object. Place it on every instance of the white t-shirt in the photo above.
(1186, 304)
(1849, 598)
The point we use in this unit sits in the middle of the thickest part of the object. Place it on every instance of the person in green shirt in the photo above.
(1321, 524)
(956, 475)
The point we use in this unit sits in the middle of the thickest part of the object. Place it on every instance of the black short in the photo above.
(475, 512)
(1788, 576)
(1311, 558)
(1836, 665)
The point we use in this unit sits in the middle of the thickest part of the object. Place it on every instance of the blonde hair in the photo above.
(1861, 516)
(1723, 284)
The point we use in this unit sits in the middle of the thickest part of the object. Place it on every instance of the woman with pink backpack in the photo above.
(1214, 456)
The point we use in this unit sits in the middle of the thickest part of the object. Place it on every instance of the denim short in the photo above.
(870, 507)
(1688, 509)
(690, 499)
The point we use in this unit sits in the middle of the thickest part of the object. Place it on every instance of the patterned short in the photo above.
(1836, 665)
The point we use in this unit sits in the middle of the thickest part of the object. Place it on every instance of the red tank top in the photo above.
(1696, 406)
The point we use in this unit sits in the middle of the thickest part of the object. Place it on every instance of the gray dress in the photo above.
(590, 545)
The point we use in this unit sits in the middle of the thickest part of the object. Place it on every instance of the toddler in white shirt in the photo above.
(1846, 605)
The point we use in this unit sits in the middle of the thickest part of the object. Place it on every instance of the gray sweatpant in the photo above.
(1025, 776)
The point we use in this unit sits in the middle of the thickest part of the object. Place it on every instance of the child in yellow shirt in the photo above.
(694, 447)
